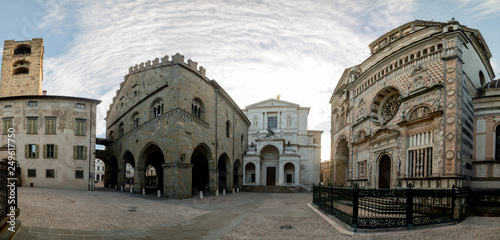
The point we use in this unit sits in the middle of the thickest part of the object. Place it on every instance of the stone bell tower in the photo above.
(22, 68)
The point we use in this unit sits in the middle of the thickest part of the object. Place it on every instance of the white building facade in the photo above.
(281, 152)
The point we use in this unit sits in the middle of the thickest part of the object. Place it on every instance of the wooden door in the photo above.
(271, 176)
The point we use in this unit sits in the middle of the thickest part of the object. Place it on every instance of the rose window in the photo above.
(385, 105)
(390, 108)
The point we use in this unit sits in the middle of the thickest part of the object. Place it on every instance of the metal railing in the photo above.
(385, 208)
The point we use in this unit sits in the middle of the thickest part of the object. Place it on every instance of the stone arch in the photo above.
(223, 172)
(269, 155)
(237, 174)
(201, 159)
(129, 161)
(384, 171)
(341, 161)
(482, 81)
(157, 107)
(198, 108)
(22, 49)
(273, 144)
(20, 67)
(419, 111)
(385, 105)
(289, 173)
(151, 157)
(250, 173)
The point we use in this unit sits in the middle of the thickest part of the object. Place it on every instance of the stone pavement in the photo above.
(233, 216)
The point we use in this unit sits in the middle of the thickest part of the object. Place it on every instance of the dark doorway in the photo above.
(222, 170)
(384, 176)
(271, 176)
(111, 173)
(236, 174)
(200, 172)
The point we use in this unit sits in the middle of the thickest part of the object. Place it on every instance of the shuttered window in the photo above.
(79, 152)
(50, 125)
(80, 127)
(50, 151)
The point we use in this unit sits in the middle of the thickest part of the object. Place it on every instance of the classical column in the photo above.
(257, 173)
(279, 120)
(281, 172)
(245, 179)
(264, 123)
(297, 174)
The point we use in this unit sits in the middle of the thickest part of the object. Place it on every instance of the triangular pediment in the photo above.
(384, 134)
(272, 102)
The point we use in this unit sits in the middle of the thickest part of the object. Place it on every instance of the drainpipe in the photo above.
(216, 143)
(90, 147)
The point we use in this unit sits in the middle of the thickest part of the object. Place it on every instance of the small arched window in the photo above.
(481, 78)
(157, 109)
(228, 129)
(412, 56)
(497, 143)
(418, 54)
(440, 46)
(197, 108)
(121, 129)
(20, 67)
(425, 51)
(22, 49)
(135, 120)
(433, 49)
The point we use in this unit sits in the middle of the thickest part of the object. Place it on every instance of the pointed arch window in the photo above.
(157, 108)
(197, 108)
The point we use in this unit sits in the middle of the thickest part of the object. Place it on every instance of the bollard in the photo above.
(116, 187)
(143, 191)
(224, 191)
(237, 189)
(131, 187)
(159, 193)
(122, 188)
(201, 194)
(109, 186)
(233, 190)
(217, 192)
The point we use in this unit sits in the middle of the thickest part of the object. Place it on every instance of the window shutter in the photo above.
(55, 151)
(74, 151)
(36, 150)
(85, 153)
(45, 151)
(26, 154)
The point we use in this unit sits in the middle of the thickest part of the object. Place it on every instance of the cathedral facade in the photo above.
(282, 151)
(411, 112)
(179, 131)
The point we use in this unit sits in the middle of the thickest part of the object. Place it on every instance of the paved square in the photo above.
(107, 214)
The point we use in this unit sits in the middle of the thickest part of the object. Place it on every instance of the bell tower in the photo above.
(22, 68)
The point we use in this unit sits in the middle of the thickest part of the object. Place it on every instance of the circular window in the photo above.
(385, 105)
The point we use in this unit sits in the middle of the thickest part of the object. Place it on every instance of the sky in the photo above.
(255, 49)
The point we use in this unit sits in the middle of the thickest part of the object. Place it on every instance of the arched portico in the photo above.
(200, 171)
(250, 174)
(129, 169)
(111, 176)
(224, 173)
(269, 165)
(151, 159)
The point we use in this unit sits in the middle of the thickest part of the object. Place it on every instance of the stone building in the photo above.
(54, 135)
(486, 157)
(169, 116)
(406, 114)
(99, 170)
(325, 172)
(282, 151)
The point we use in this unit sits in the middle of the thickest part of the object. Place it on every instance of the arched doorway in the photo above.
(222, 169)
(200, 176)
(384, 174)
(237, 177)
(152, 160)
(341, 161)
(111, 176)
(270, 162)
(289, 172)
(129, 170)
(250, 173)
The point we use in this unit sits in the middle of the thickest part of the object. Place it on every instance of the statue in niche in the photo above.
(288, 143)
(256, 122)
(288, 121)
(399, 165)
(251, 145)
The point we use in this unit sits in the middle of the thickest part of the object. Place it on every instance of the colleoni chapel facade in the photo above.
(421, 110)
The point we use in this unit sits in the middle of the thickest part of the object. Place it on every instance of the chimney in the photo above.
(44, 92)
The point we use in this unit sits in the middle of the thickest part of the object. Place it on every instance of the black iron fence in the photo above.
(382, 208)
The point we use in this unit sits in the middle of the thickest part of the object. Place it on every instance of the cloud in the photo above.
(254, 49)
(482, 9)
